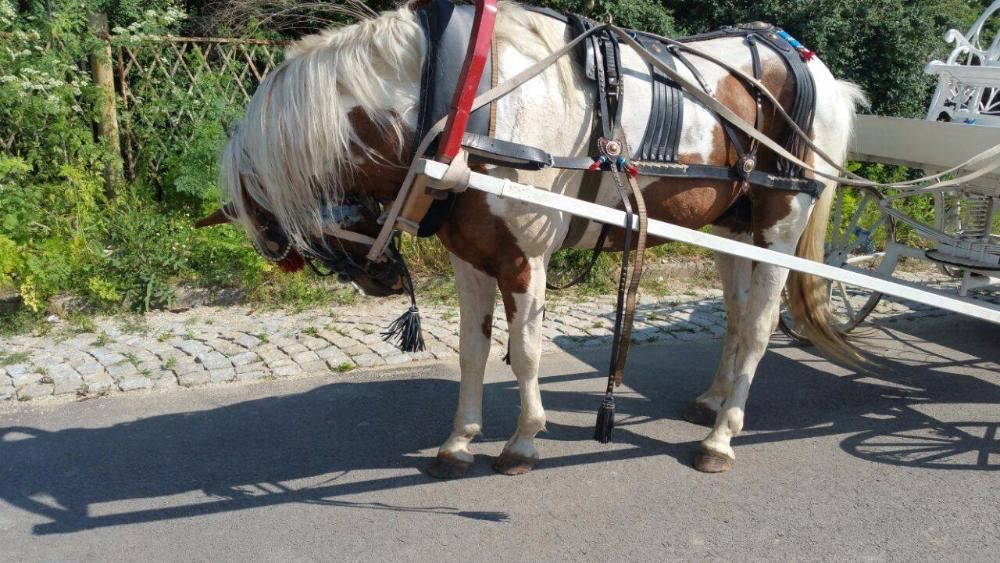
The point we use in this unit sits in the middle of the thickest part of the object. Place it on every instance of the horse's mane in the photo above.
(296, 146)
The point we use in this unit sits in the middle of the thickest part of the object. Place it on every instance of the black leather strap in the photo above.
(484, 150)
(666, 119)
(730, 174)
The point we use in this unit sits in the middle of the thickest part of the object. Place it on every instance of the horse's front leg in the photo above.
(476, 297)
(524, 301)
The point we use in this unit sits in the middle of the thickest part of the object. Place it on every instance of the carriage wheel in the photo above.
(857, 236)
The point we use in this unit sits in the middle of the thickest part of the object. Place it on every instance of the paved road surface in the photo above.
(901, 465)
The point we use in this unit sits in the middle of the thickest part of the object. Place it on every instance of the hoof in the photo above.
(513, 464)
(712, 462)
(699, 414)
(445, 467)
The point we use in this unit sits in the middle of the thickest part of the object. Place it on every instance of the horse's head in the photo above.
(324, 146)
(341, 250)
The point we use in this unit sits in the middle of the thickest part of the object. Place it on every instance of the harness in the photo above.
(446, 28)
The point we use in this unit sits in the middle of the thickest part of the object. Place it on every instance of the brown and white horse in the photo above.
(336, 121)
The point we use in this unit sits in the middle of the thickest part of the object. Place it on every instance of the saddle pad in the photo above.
(447, 28)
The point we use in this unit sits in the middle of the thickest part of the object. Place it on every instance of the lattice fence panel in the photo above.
(171, 87)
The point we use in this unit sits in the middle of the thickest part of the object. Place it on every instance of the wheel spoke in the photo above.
(847, 301)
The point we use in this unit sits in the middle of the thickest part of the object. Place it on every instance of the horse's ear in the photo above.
(221, 216)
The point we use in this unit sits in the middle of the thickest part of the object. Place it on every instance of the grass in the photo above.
(12, 358)
(311, 331)
(345, 367)
(135, 324)
(83, 322)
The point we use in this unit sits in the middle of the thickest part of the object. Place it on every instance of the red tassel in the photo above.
(807, 55)
(632, 170)
(292, 263)
(595, 166)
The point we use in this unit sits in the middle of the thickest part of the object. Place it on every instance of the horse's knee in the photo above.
(530, 424)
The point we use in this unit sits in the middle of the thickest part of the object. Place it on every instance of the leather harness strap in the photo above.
(486, 150)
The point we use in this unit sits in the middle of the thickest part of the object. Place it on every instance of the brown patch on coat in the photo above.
(696, 203)
(488, 326)
(772, 206)
(483, 240)
(384, 170)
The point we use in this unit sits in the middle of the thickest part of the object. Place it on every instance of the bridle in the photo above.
(385, 269)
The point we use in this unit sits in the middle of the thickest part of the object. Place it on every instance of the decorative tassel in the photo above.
(599, 162)
(406, 331)
(605, 420)
(805, 53)
(292, 263)
(506, 358)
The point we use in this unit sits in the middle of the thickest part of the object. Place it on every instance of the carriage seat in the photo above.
(968, 89)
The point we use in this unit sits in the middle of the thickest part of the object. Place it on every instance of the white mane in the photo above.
(297, 147)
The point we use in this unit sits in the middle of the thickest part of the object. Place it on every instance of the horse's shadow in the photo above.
(244, 455)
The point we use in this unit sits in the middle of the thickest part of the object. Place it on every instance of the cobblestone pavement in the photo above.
(235, 344)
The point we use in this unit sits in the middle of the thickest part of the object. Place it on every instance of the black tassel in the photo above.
(506, 358)
(605, 420)
(406, 331)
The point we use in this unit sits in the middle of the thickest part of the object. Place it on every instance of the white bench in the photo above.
(968, 88)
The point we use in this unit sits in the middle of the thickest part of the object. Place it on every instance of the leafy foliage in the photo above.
(882, 45)
(60, 233)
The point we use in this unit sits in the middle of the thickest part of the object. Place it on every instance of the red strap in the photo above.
(468, 80)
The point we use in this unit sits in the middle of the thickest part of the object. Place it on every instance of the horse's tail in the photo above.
(809, 296)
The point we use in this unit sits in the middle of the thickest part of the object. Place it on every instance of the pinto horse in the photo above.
(335, 124)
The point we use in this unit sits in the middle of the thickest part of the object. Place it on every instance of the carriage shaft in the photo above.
(529, 194)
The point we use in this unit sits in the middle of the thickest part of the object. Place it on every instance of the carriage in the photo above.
(959, 230)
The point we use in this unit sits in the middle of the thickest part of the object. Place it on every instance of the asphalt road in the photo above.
(902, 464)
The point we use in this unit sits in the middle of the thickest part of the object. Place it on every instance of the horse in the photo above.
(334, 126)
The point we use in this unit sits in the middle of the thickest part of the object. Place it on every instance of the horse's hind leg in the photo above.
(525, 312)
(757, 321)
(735, 274)
(477, 297)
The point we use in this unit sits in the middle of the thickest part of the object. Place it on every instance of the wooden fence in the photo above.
(169, 86)
(161, 92)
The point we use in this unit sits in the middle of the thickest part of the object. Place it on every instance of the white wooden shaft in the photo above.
(530, 194)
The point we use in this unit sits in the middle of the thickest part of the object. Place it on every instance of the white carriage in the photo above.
(957, 228)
